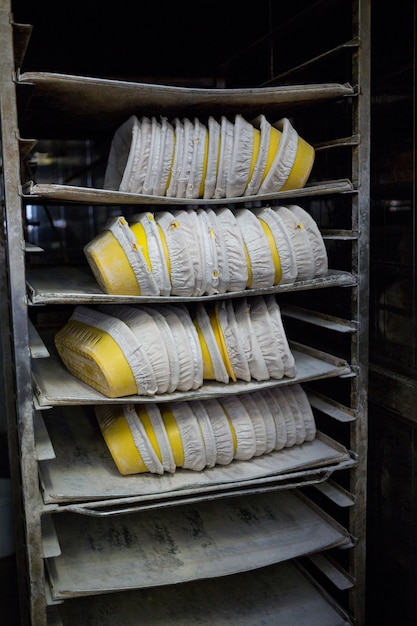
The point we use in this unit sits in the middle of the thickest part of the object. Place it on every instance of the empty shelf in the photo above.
(189, 542)
(278, 594)
(68, 193)
(68, 104)
(77, 285)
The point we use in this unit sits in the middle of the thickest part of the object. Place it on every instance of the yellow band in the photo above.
(301, 168)
(172, 162)
(201, 190)
(250, 278)
(208, 369)
(232, 430)
(274, 251)
(218, 333)
(94, 357)
(274, 139)
(119, 440)
(147, 424)
(140, 234)
(173, 436)
(111, 266)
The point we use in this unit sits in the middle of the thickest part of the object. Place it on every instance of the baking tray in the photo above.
(83, 472)
(187, 542)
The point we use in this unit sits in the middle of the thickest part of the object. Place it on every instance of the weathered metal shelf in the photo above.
(76, 285)
(277, 594)
(58, 104)
(82, 471)
(188, 542)
(51, 192)
(53, 384)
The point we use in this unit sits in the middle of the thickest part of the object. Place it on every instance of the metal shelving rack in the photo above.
(71, 524)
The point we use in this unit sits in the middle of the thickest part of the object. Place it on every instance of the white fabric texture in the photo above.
(258, 422)
(262, 124)
(300, 428)
(235, 249)
(226, 147)
(193, 241)
(241, 157)
(156, 253)
(210, 253)
(212, 157)
(287, 356)
(221, 429)
(203, 320)
(155, 417)
(233, 338)
(154, 154)
(261, 261)
(141, 157)
(194, 343)
(186, 378)
(191, 436)
(177, 159)
(121, 154)
(257, 366)
(141, 440)
(166, 155)
(169, 341)
(316, 240)
(283, 244)
(181, 264)
(268, 342)
(200, 412)
(136, 358)
(306, 410)
(147, 336)
(187, 157)
(300, 242)
(270, 429)
(284, 158)
(279, 421)
(200, 138)
(279, 395)
(121, 231)
(221, 250)
(242, 425)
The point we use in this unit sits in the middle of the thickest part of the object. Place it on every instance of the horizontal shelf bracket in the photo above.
(332, 570)
(330, 322)
(336, 493)
(44, 448)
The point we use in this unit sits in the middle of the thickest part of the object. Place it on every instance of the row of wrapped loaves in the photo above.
(194, 435)
(123, 350)
(194, 252)
(218, 159)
